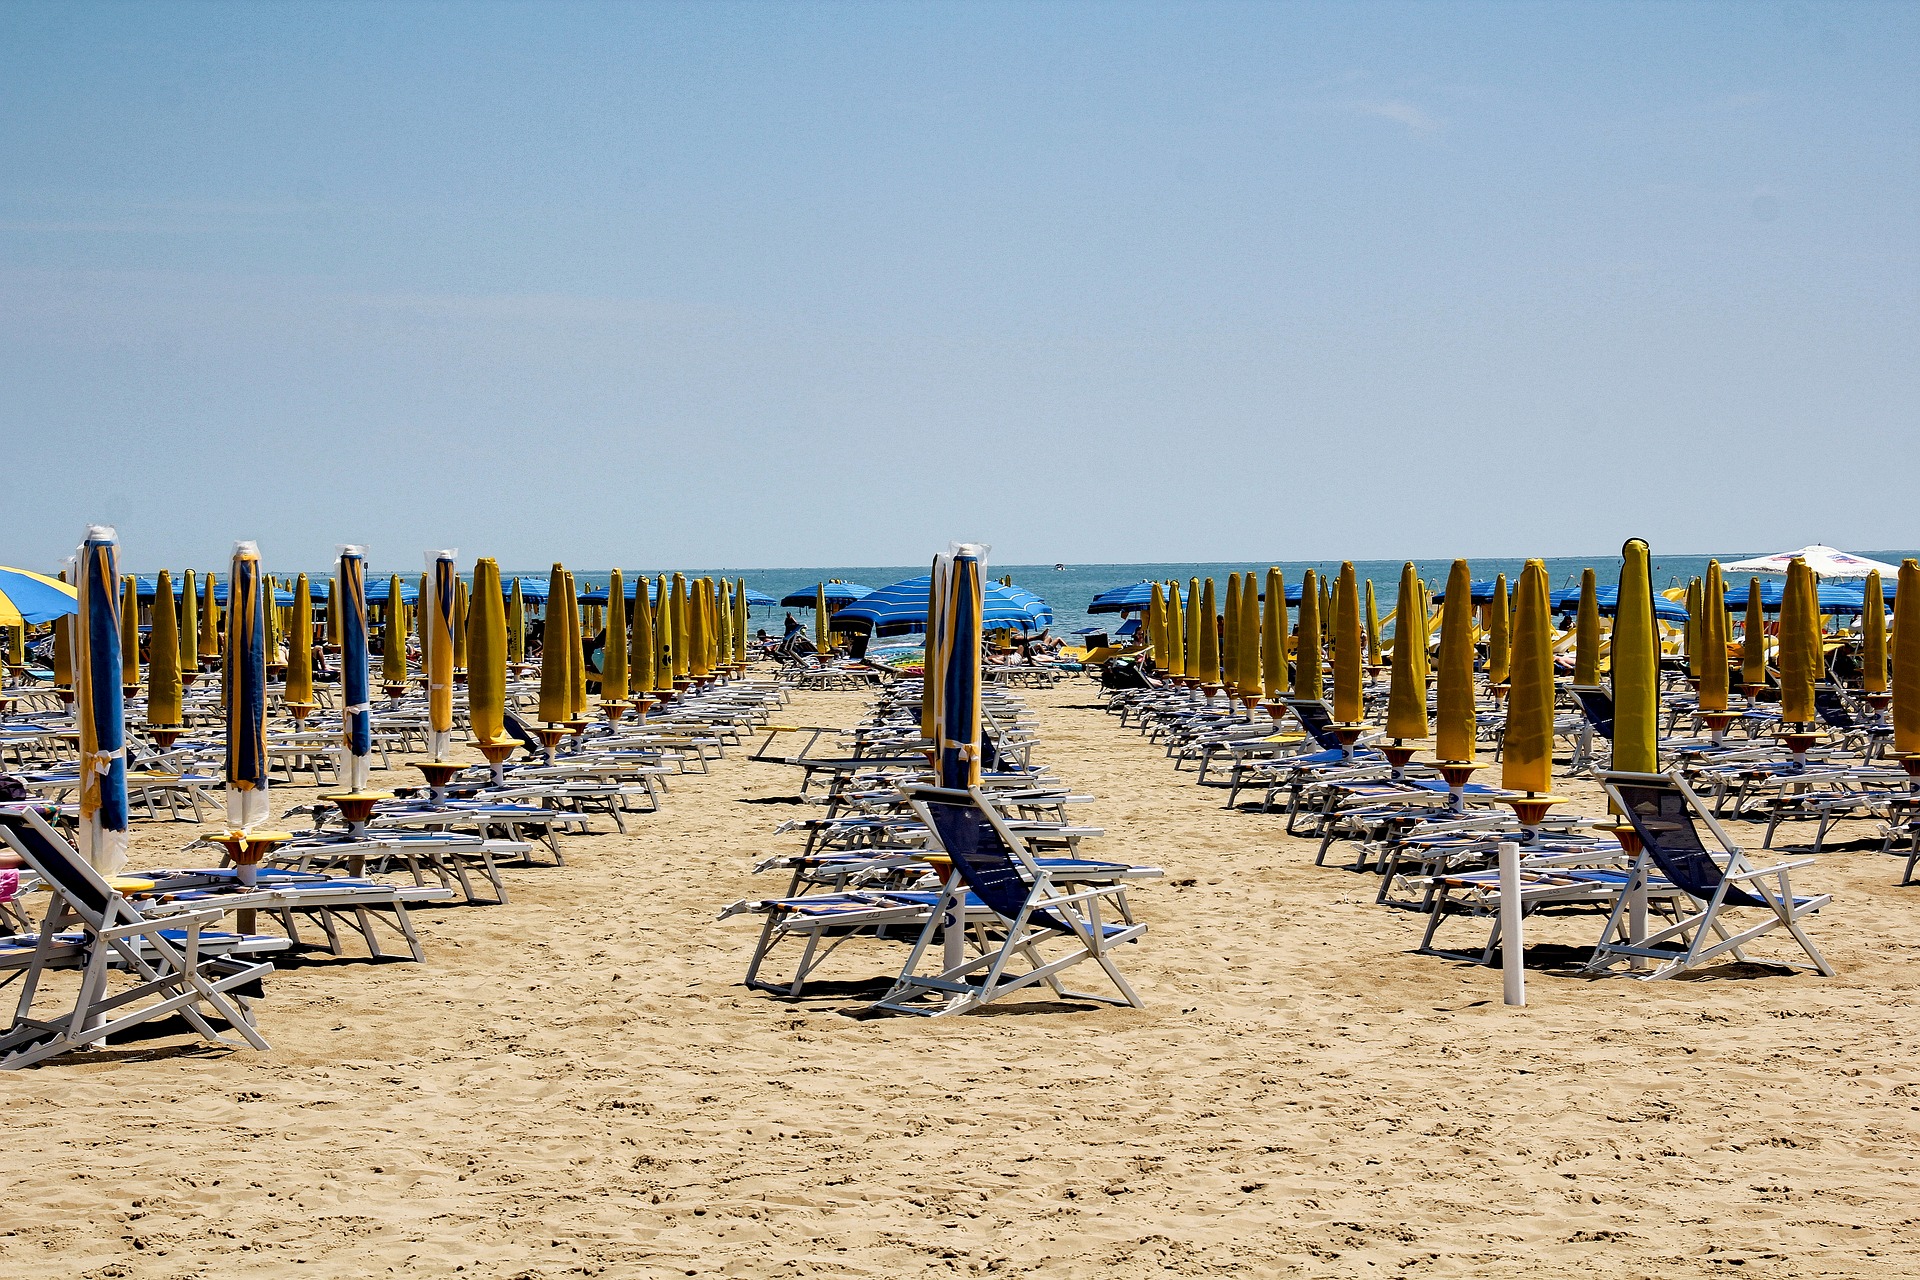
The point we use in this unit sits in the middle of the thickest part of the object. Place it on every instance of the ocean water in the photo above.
(1070, 589)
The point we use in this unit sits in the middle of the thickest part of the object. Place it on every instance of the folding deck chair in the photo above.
(1667, 816)
(179, 964)
(1038, 902)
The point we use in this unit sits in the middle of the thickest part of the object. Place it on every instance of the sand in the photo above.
(576, 1084)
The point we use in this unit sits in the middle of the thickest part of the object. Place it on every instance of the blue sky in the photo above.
(789, 284)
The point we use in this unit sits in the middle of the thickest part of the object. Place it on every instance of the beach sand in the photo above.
(576, 1084)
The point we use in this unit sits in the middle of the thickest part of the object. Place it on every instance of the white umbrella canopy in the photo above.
(1826, 562)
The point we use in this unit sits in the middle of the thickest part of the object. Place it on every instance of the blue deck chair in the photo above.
(1035, 903)
(178, 964)
(1668, 816)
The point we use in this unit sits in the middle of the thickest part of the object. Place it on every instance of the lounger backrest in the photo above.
(1316, 717)
(983, 859)
(58, 862)
(1832, 711)
(1664, 818)
(1596, 704)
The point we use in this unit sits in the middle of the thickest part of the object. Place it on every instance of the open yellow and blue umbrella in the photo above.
(97, 704)
(244, 686)
(28, 598)
(348, 603)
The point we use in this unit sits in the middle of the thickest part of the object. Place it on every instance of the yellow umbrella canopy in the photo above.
(820, 619)
(1636, 666)
(1873, 637)
(1906, 659)
(640, 646)
(1586, 634)
(438, 634)
(270, 618)
(209, 620)
(576, 660)
(487, 654)
(663, 637)
(740, 607)
(700, 657)
(163, 657)
(1499, 641)
(300, 644)
(1407, 681)
(681, 638)
(1799, 645)
(393, 638)
(723, 623)
(1753, 639)
(189, 627)
(1453, 695)
(1251, 677)
(1713, 640)
(1372, 617)
(1526, 755)
(1191, 635)
(556, 682)
(1306, 646)
(516, 626)
(1157, 627)
(1230, 637)
(1346, 647)
(1273, 638)
(1207, 634)
(1176, 633)
(1692, 635)
(130, 632)
(613, 660)
(459, 625)
(336, 606)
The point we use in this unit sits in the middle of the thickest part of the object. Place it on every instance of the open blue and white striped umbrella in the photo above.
(902, 607)
(244, 687)
(97, 703)
(356, 737)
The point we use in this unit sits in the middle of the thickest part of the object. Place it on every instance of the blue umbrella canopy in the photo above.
(903, 607)
(98, 708)
(1480, 592)
(145, 589)
(378, 590)
(1834, 597)
(28, 597)
(1134, 597)
(1568, 600)
(760, 600)
(839, 595)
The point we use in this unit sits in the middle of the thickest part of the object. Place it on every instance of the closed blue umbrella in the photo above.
(97, 703)
(244, 688)
(960, 623)
(356, 737)
(902, 607)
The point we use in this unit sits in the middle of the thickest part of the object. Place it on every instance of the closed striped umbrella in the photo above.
(98, 707)
(349, 606)
(957, 580)
(244, 688)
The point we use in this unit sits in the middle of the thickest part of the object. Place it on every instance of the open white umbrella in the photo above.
(1826, 562)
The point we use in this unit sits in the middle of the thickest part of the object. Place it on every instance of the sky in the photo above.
(791, 284)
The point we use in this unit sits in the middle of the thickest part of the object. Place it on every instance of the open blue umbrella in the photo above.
(377, 592)
(97, 704)
(31, 598)
(1135, 597)
(1608, 597)
(902, 607)
(839, 595)
(356, 736)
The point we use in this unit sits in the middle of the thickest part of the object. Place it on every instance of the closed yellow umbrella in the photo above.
(1873, 637)
(1230, 637)
(1207, 637)
(723, 623)
(130, 635)
(1906, 659)
(1526, 755)
(393, 641)
(700, 655)
(270, 617)
(1252, 680)
(1273, 639)
(740, 619)
(1695, 636)
(209, 620)
(1799, 645)
(663, 638)
(517, 626)
(1191, 634)
(576, 660)
(820, 642)
(1636, 666)
(1499, 639)
(1407, 682)
(1326, 613)
(1347, 663)
(437, 644)
(1453, 695)
(487, 657)
(336, 611)
(163, 657)
(1372, 618)
(681, 637)
(1157, 627)
(1306, 646)
(556, 682)
(1176, 634)
(641, 649)
(189, 628)
(1753, 641)
(613, 659)
(1713, 640)
(299, 692)
(459, 625)
(17, 647)
(1586, 634)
